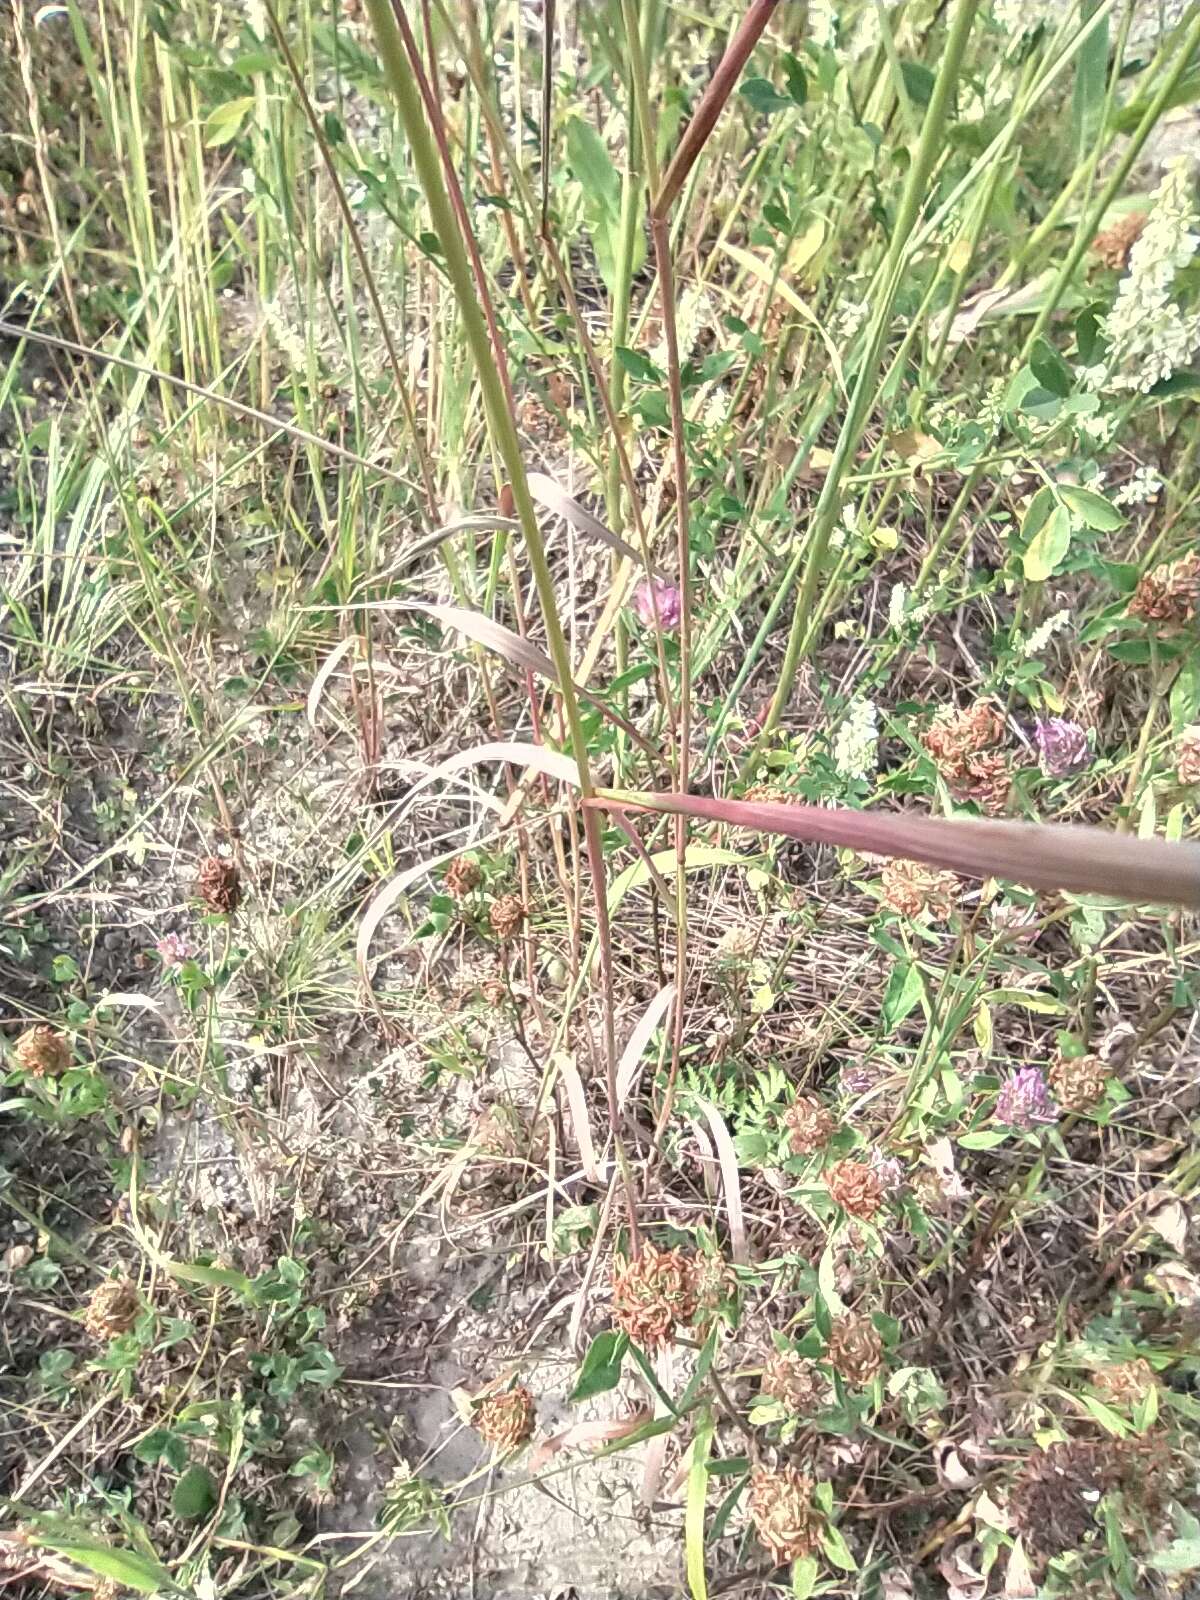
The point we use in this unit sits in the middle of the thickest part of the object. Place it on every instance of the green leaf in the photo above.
(638, 366)
(918, 81)
(1110, 1420)
(126, 1568)
(805, 1571)
(1045, 1004)
(601, 1369)
(904, 991)
(697, 1493)
(1185, 695)
(1048, 546)
(703, 1363)
(591, 165)
(797, 81)
(836, 1549)
(1181, 1555)
(195, 1494)
(981, 1139)
(1091, 81)
(223, 124)
(1091, 508)
(762, 95)
(825, 1282)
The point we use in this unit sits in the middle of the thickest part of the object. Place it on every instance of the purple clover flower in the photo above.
(173, 950)
(888, 1169)
(667, 598)
(1025, 1100)
(855, 1079)
(1062, 745)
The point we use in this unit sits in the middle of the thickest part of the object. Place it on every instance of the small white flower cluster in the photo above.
(1142, 489)
(695, 313)
(1149, 334)
(856, 744)
(1096, 431)
(716, 410)
(822, 24)
(1041, 636)
(990, 413)
(846, 320)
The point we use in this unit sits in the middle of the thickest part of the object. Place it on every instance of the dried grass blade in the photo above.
(492, 636)
(630, 1065)
(1042, 855)
(564, 1061)
(581, 1433)
(327, 669)
(550, 762)
(548, 495)
(730, 1181)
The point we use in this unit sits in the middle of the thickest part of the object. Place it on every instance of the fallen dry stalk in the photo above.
(1040, 855)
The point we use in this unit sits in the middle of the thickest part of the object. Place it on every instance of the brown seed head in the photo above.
(1187, 755)
(1114, 244)
(1054, 1500)
(809, 1125)
(955, 735)
(911, 887)
(505, 1420)
(218, 885)
(783, 1514)
(462, 876)
(795, 1382)
(43, 1052)
(1127, 1383)
(855, 1186)
(506, 916)
(1170, 594)
(985, 779)
(1078, 1082)
(652, 1293)
(493, 991)
(114, 1307)
(714, 1280)
(855, 1350)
